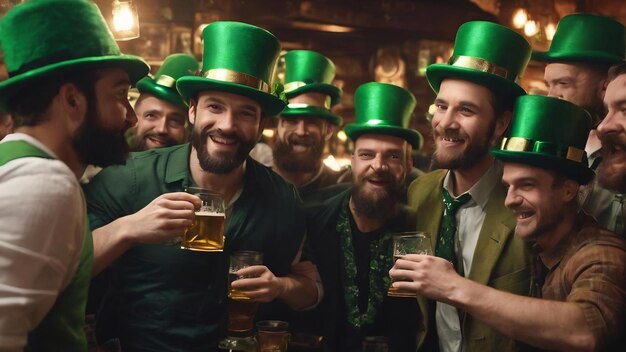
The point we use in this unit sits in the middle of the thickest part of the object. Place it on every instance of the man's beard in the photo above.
(473, 153)
(140, 143)
(610, 175)
(378, 203)
(223, 162)
(288, 160)
(96, 145)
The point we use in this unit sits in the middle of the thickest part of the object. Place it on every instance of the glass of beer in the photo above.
(241, 310)
(207, 232)
(375, 344)
(272, 335)
(409, 243)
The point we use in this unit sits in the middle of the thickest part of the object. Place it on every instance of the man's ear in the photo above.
(570, 190)
(602, 88)
(409, 157)
(329, 131)
(502, 124)
(74, 105)
(192, 112)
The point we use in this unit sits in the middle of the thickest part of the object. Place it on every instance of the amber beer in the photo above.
(273, 335)
(241, 312)
(206, 234)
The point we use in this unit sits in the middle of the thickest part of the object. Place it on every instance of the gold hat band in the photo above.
(293, 86)
(519, 144)
(166, 81)
(303, 106)
(483, 66)
(226, 75)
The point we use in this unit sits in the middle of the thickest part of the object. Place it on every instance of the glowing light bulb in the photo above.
(125, 20)
(520, 17)
(550, 31)
(531, 28)
(342, 136)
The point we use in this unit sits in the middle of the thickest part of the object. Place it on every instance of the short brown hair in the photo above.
(617, 70)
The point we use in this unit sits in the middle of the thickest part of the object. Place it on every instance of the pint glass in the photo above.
(207, 231)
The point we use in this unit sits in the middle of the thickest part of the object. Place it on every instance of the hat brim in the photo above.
(149, 86)
(333, 92)
(436, 73)
(188, 86)
(135, 66)
(311, 112)
(584, 56)
(571, 169)
(414, 138)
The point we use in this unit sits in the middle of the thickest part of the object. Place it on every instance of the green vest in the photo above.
(62, 329)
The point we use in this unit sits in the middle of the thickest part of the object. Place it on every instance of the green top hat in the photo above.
(41, 38)
(238, 58)
(309, 71)
(586, 38)
(383, 109)
(488, 54)
(549, 133)
(163, 84)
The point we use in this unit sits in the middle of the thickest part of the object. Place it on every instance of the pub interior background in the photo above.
(389, 41)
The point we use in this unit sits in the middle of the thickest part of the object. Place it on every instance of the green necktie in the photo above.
(447, 232)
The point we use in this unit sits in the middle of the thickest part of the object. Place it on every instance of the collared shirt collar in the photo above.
(178, 166)
(481, 190)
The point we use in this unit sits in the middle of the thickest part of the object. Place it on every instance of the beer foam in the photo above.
(209, 213)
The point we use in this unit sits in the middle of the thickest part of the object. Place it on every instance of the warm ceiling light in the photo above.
(341, 135)
(333, 28)
(550, 31)
(268, 133)
(125, 20)
(531, 28)
(520, 17)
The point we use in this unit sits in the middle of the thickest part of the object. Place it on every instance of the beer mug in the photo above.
(272, 336)
(409, 243)
(207, 232)
(241, 310)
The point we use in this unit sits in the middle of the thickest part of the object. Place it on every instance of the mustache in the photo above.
(301, 140)
(384, 176)
(611, 139)
(218, 133)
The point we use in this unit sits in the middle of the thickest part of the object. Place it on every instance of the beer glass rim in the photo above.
(200, 190)
(246, 253)
(410, 234)
(272, 326)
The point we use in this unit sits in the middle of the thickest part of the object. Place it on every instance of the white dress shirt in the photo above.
(469, 219)
(42, 224)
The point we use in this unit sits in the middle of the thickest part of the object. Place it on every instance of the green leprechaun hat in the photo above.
(163, 84)
(309, 71)
(548, 133)
(488, 54)
(585, 37)
(382, 108)
(238, 58)
(42, 38)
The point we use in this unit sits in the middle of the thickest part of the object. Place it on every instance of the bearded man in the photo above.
(67, 91)
(350, 233)
(161, 111)
(461, 204)
(165, 298)
(307, 123)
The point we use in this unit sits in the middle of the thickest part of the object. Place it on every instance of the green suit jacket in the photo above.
(500, 260)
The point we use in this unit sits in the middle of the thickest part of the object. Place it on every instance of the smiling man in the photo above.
(164, 298)
(307, 123)
(579, 276)
(461, 205)
(583, 49)
(70, 110)
(161, 111)
(612, 133)
(350, 236)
